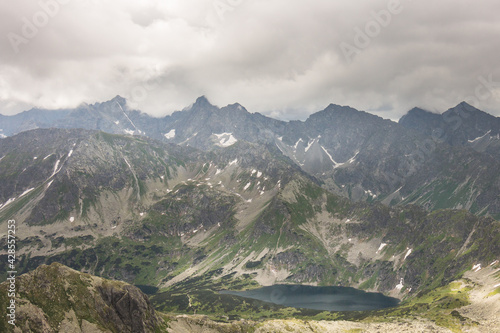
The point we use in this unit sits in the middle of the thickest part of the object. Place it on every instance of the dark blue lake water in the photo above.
(319, 298)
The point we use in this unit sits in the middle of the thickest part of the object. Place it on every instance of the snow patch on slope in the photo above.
(407, 254)
(26, 192)
(226, 139)
(353, 159)
(400, 285)
(309, 144)
(330, 156)
(479, 138)
(128, 119)
(8, 202)
(297, 144)
(170, 135)
(55, 167)
(381, 247)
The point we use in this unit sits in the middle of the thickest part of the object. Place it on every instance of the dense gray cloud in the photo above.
(282, 58)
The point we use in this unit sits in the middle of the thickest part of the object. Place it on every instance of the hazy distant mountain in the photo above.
(113, 116)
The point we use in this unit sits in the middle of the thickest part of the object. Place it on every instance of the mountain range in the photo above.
(435, 161)
(211, 198)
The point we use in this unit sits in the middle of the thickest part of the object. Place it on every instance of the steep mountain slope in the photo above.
(91, 185)
(56, 298)
(53, 174)
(355, 154)
(157, 214)
(364, 157)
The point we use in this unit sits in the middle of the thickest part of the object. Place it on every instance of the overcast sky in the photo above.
(283, 58)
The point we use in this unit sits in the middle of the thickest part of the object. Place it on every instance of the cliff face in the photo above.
(56, 298)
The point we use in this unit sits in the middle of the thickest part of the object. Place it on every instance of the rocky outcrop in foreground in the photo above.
(56, 298)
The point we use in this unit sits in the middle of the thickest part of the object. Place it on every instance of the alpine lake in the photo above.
(319, 298)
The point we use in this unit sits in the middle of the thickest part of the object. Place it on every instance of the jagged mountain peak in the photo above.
(337, 108)
(347, 110)
(417, 110)
(236, 106)
(116, 101)
(417, 115)
(235, 109)
(465, 104)
(202, 101)
(120, 100)
(335, 112)
(466, 109)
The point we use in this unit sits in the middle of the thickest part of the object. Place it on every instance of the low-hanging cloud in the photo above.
(282, 58)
